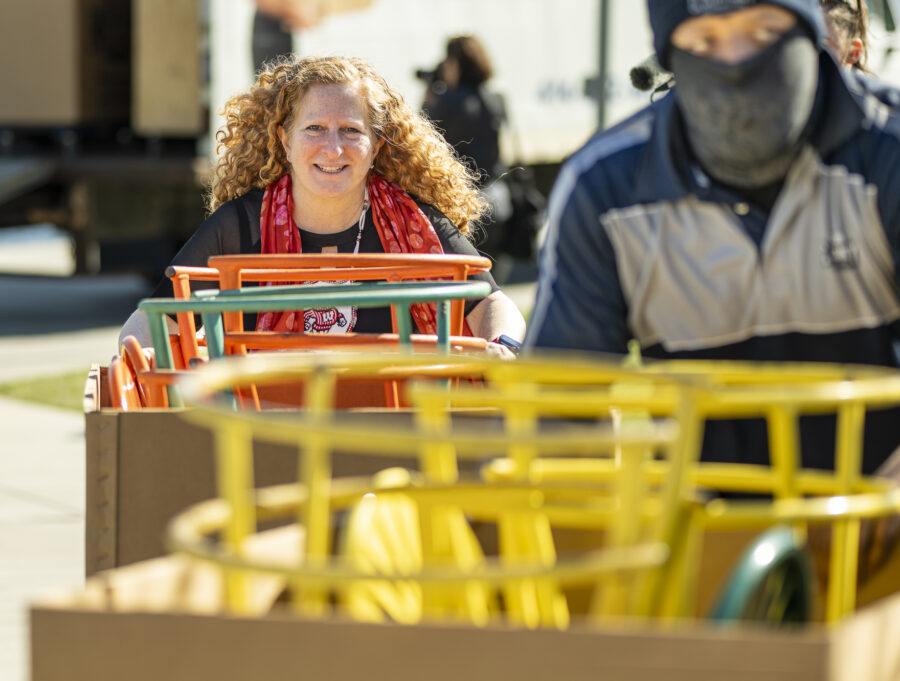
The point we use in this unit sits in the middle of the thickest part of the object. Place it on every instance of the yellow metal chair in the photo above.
(780, 394)
(645, 510)
(408, 550)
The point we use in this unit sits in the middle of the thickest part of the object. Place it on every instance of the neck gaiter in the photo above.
(745, 122)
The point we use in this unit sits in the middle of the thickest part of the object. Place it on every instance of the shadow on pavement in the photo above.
(33, 305)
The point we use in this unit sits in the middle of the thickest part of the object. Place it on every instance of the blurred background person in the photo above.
(849, 39)
(847, 25)
(276, 21)
(704, 226)
(460, 103)
(471, 116)
(321, 155)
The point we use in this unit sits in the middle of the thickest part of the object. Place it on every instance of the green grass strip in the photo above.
(65, 391)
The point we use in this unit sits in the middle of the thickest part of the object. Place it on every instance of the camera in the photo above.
(433, 79)
(426, 75)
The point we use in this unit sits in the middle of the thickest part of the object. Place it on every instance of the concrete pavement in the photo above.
(49, 325)
(24, 357)
(42, 505)
(42, 486)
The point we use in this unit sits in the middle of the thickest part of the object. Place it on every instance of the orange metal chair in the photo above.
(233, 271)
(142, 363)
(123, 390)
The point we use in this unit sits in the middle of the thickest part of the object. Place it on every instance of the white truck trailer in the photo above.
(110, 107)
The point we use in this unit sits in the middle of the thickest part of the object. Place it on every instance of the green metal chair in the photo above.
(212, 304)
(771, 584)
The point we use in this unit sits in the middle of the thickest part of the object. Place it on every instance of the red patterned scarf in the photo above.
(400, 223)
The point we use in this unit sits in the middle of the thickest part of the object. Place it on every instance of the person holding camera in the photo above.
(458, 101)
(470, 116)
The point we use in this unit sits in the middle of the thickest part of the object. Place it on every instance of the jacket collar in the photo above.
(668, 172)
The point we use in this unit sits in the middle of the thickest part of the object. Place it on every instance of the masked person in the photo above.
(753, 213)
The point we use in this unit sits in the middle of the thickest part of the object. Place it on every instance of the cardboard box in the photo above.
(144, 467)
(159, 620)
(66, 62)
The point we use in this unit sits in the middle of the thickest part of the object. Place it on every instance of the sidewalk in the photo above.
(49, 325)
(24, 357)
(41, 517)
(42, 486)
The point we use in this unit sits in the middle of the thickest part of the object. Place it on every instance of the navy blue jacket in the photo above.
(643, 244)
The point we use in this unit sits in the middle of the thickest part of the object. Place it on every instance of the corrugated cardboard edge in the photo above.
(867, 646)
(76, 639)
(145, 647)
(101, 474)
(92, 390)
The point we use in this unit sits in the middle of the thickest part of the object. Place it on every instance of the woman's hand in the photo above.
(498, 351)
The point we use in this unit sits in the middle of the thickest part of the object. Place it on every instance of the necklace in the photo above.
(362, 221)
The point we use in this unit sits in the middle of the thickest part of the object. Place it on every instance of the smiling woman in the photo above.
(330, 149)
(303, 157)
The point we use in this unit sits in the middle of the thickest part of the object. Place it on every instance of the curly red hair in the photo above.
(414, 154)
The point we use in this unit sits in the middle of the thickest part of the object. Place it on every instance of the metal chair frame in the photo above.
(780, 394)
(529, 573)
(212, 305)
(233, 271)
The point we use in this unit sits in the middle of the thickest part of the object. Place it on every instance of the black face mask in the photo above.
(745, 122)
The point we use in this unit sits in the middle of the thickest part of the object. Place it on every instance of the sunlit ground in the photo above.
(36, 249)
